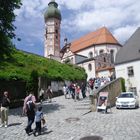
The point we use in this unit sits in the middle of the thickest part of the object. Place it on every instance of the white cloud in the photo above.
(114, 15)
(121, 17)
(123, 33)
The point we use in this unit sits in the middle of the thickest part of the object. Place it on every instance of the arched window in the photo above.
(90, 54)
(104, 59)
(101, 51)
(112, 56)
(89, 67)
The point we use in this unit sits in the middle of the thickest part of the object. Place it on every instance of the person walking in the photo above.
(29, 110)
(83, 89)
(5, 102)
(65, 91)
(38, 119)
(49, 94)
(41, 95)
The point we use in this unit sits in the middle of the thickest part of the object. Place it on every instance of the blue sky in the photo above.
(79, 17)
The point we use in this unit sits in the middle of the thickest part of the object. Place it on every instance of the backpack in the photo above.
(29, 104)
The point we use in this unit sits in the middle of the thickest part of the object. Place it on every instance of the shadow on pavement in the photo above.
(47, 108)
(14, 124)
(46, 132)
(51, 107)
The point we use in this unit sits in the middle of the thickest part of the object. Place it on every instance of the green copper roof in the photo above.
(52, 11)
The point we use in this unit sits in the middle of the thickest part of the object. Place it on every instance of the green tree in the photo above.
(7, 28)
(123, 85)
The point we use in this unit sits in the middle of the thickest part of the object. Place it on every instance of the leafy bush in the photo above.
(24, 66)
(123, 85)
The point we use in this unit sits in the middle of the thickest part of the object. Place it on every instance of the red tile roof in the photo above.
(98, 37)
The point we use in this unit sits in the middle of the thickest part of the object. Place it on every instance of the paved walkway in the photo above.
(69, 120)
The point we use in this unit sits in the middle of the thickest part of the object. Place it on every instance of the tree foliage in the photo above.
(7, 28)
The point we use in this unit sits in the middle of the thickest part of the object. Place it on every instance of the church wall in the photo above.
(90, 74)
(86, 51)
(96, 50)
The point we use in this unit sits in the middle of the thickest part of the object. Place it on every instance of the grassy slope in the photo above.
(22, 64)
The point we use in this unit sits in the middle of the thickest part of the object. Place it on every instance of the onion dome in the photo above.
(52, 11)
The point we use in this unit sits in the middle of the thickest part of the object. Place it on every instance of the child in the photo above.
(38, 119)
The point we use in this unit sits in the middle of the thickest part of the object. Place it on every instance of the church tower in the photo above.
(52, 18)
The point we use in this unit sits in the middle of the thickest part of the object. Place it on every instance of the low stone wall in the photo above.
(113, 88)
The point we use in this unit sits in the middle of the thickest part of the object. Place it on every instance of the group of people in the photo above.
(30, 109)
(46, 94)
(74, 90)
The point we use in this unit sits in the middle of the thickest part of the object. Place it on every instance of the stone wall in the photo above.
(113, 88)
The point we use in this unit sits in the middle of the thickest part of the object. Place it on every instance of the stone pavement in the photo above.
(69, 120)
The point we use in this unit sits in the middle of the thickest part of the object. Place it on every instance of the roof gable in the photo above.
(101, 36)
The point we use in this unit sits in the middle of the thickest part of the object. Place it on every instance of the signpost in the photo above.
(103, 102)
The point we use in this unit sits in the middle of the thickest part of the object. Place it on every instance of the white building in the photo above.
(127, 64)
(95, 52)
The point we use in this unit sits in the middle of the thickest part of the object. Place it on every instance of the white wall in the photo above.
(90, 74)
(86, 51)
(121, 71)
(69, 55)
(107, 48)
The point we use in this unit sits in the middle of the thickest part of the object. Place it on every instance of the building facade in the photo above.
(127, 64)
(96, 50)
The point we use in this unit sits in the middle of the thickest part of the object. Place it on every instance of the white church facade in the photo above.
(95, 52)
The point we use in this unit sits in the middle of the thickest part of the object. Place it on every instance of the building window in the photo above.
(112, 56)
(101, 52)
(130, 71)
(133, 89)
(90, 54)
(104, 59)
(89, 67)
(56, 31)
